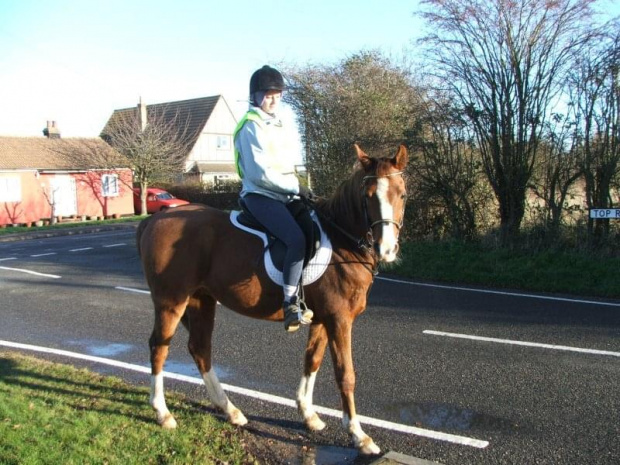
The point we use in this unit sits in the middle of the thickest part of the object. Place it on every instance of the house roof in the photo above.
(188, 116)
(41, 153)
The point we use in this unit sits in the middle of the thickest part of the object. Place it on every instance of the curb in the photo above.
(67, 231)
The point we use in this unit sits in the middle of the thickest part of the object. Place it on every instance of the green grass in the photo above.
(52, 413)
(72, 224)
(554, 271)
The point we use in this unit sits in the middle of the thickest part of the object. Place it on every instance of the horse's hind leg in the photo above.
(315, 350)
(199, 320)
(167, 316)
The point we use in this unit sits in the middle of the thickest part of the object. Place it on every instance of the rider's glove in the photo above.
(305, 192)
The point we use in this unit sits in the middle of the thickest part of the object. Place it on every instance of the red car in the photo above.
(156, 200)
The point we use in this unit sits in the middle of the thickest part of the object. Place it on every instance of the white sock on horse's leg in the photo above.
(305, 403)
(158, 402)
(362, 441)
(220, 399)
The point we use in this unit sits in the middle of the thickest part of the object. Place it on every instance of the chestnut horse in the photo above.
(193, 257)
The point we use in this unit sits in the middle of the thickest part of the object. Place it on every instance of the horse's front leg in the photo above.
(340, 347)
(315, 350)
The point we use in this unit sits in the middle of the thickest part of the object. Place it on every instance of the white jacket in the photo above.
(264, 159)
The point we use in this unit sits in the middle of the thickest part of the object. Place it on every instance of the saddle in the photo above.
(302, 215)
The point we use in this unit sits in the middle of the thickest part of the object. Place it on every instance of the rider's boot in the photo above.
(296, 313)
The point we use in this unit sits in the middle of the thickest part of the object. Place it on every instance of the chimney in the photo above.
(142, 114)
(51, 131)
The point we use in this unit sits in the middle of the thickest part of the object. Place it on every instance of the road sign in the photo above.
(602, 213)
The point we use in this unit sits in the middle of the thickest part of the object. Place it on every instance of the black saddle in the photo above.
(301, 213)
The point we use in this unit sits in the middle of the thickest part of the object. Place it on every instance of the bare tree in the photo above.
(596, 85)
(156, 148)
(448, 170)
(557, 170)
(505, 60)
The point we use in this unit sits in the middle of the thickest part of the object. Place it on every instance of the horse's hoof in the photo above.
(368, 447)
(237, 418)
(314, 423)
(167, 422)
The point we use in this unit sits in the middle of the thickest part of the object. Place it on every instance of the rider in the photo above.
(269, 182)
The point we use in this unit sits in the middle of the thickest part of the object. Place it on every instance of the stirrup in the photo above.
(296, 313)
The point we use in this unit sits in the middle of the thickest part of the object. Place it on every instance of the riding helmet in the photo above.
(266, 78)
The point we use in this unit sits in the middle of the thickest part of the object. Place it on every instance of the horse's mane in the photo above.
(345, 205)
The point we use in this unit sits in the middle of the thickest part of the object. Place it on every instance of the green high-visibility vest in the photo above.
(251, 115)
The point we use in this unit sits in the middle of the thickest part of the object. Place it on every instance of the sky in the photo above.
(76, 61)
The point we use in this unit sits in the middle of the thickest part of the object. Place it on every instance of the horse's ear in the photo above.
(401, 157)
(363, 158)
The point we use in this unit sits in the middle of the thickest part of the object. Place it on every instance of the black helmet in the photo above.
(266, 78)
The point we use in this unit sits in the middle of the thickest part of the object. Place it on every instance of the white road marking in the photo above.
(43, 254)
(30, 272)
(488, 291)
(131, 289)
(115, 245)
(462, 440)
(8, 258)
(523, 343)
(141, 291)
(79, 250)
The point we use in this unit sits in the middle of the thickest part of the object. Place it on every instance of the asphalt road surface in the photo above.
(507, 377)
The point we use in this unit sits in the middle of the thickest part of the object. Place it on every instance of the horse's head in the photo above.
(383, 196)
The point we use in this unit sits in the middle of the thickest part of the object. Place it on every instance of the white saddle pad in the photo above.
(315, 268)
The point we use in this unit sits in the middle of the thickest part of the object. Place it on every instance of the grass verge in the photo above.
(547, 271)
(67, 225)
(52, 413)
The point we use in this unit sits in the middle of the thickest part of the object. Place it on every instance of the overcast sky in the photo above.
(75, 61)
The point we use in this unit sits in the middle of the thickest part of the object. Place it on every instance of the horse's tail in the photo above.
(141, 227)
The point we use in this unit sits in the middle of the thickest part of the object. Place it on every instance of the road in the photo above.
(439, 358)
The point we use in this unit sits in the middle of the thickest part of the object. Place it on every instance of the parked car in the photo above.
(156, 200)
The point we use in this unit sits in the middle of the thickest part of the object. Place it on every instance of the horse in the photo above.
(193, 257)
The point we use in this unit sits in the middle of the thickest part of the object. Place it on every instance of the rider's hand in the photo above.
(305, 192)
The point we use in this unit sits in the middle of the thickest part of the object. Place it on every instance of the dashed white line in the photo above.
(522, 343)
(43, 254)
(79, 250)
(131, 289)
(462, 440)
(20, 270)
(513, 294)
(114, 245)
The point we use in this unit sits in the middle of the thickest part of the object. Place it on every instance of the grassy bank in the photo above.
(568, 272)
(52, 413)
(64, 225)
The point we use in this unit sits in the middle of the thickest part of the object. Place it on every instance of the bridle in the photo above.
(367, 241)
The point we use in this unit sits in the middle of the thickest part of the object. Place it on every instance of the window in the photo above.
(10, 189)
(109, 185)
(223, 142)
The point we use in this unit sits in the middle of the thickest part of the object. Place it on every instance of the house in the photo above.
(42, 177)
(205, 124)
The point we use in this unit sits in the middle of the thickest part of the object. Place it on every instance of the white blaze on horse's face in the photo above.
(388, 245)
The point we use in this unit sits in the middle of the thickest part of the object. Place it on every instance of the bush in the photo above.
(222, 198)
